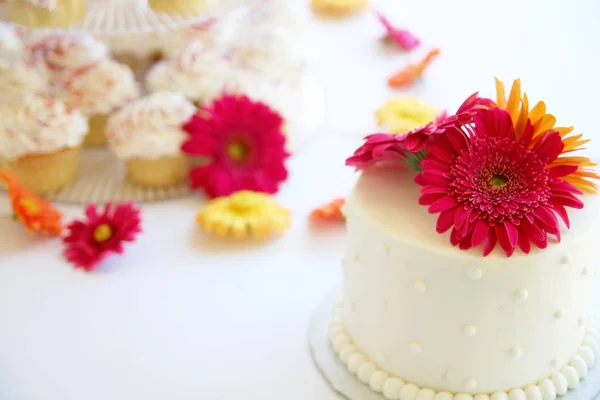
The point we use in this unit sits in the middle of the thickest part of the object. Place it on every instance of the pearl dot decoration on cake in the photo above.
(560, 383)
(383, 250)
(533, 392)
(547, 388)
(470, 330)
(377, 381)
(566, 259)
(470, 385)
(521, 294)
(559, 313)
(516, 394)
(415, 348)
(420, 287)
(409, 392)
(355, 361)
(392, 387)
(499, 396)
(515, 352)
(463, 396)
(366, 371)
(579, 364)
(395, 388)
(426, 394)
(571, 376)
(474, 273)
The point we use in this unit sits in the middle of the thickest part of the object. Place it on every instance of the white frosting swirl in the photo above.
(17, 80)
(39, 125)
(10, 41)
(61, 53)
(150, 127)
(98, 88)
(199, 72)
(269, 40)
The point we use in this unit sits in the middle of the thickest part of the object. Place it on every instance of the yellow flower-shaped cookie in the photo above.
(338, 7)
(243, 214)
(405, 114)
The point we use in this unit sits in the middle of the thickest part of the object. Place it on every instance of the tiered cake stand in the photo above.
(102, 175)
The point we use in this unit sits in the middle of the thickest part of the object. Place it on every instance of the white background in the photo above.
(183, 317)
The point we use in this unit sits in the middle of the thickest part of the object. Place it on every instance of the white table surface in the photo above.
(183, 317)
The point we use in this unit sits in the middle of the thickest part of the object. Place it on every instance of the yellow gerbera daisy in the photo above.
(517, 106)
(338, 7)
(242, 214)
(405, 114)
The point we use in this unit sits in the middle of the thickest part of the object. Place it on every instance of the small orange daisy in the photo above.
(38, 215)
(517, 106)
(331, 211)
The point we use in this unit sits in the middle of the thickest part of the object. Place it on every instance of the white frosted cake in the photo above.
(426, 315)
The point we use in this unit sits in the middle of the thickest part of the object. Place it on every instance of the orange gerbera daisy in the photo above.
(517, 106)
(35, 213)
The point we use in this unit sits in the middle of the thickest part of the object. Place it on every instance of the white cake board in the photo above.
(102, 175)
(347, 385)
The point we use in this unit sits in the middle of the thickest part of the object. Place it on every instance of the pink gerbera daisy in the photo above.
(409, 147)
(244, 143)
(89, 242)
(490, 187)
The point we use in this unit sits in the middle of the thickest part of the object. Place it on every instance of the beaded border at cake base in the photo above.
(351, 374)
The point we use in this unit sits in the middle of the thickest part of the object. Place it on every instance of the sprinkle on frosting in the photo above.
(150, 127)
(39, 125)
(60, 53)
(98, 88)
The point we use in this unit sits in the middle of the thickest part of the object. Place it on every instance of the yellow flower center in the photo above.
(237, 151)
(498, 181)
(30, 205)
(102, 233)
(245, 201)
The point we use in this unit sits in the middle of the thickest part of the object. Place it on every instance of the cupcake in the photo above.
(57, 54)
(40, 141)
(269, 40)
(46, 13)
(97, 90)
(180, 6)
(214, 32)
(147, 134)
(198, 71)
